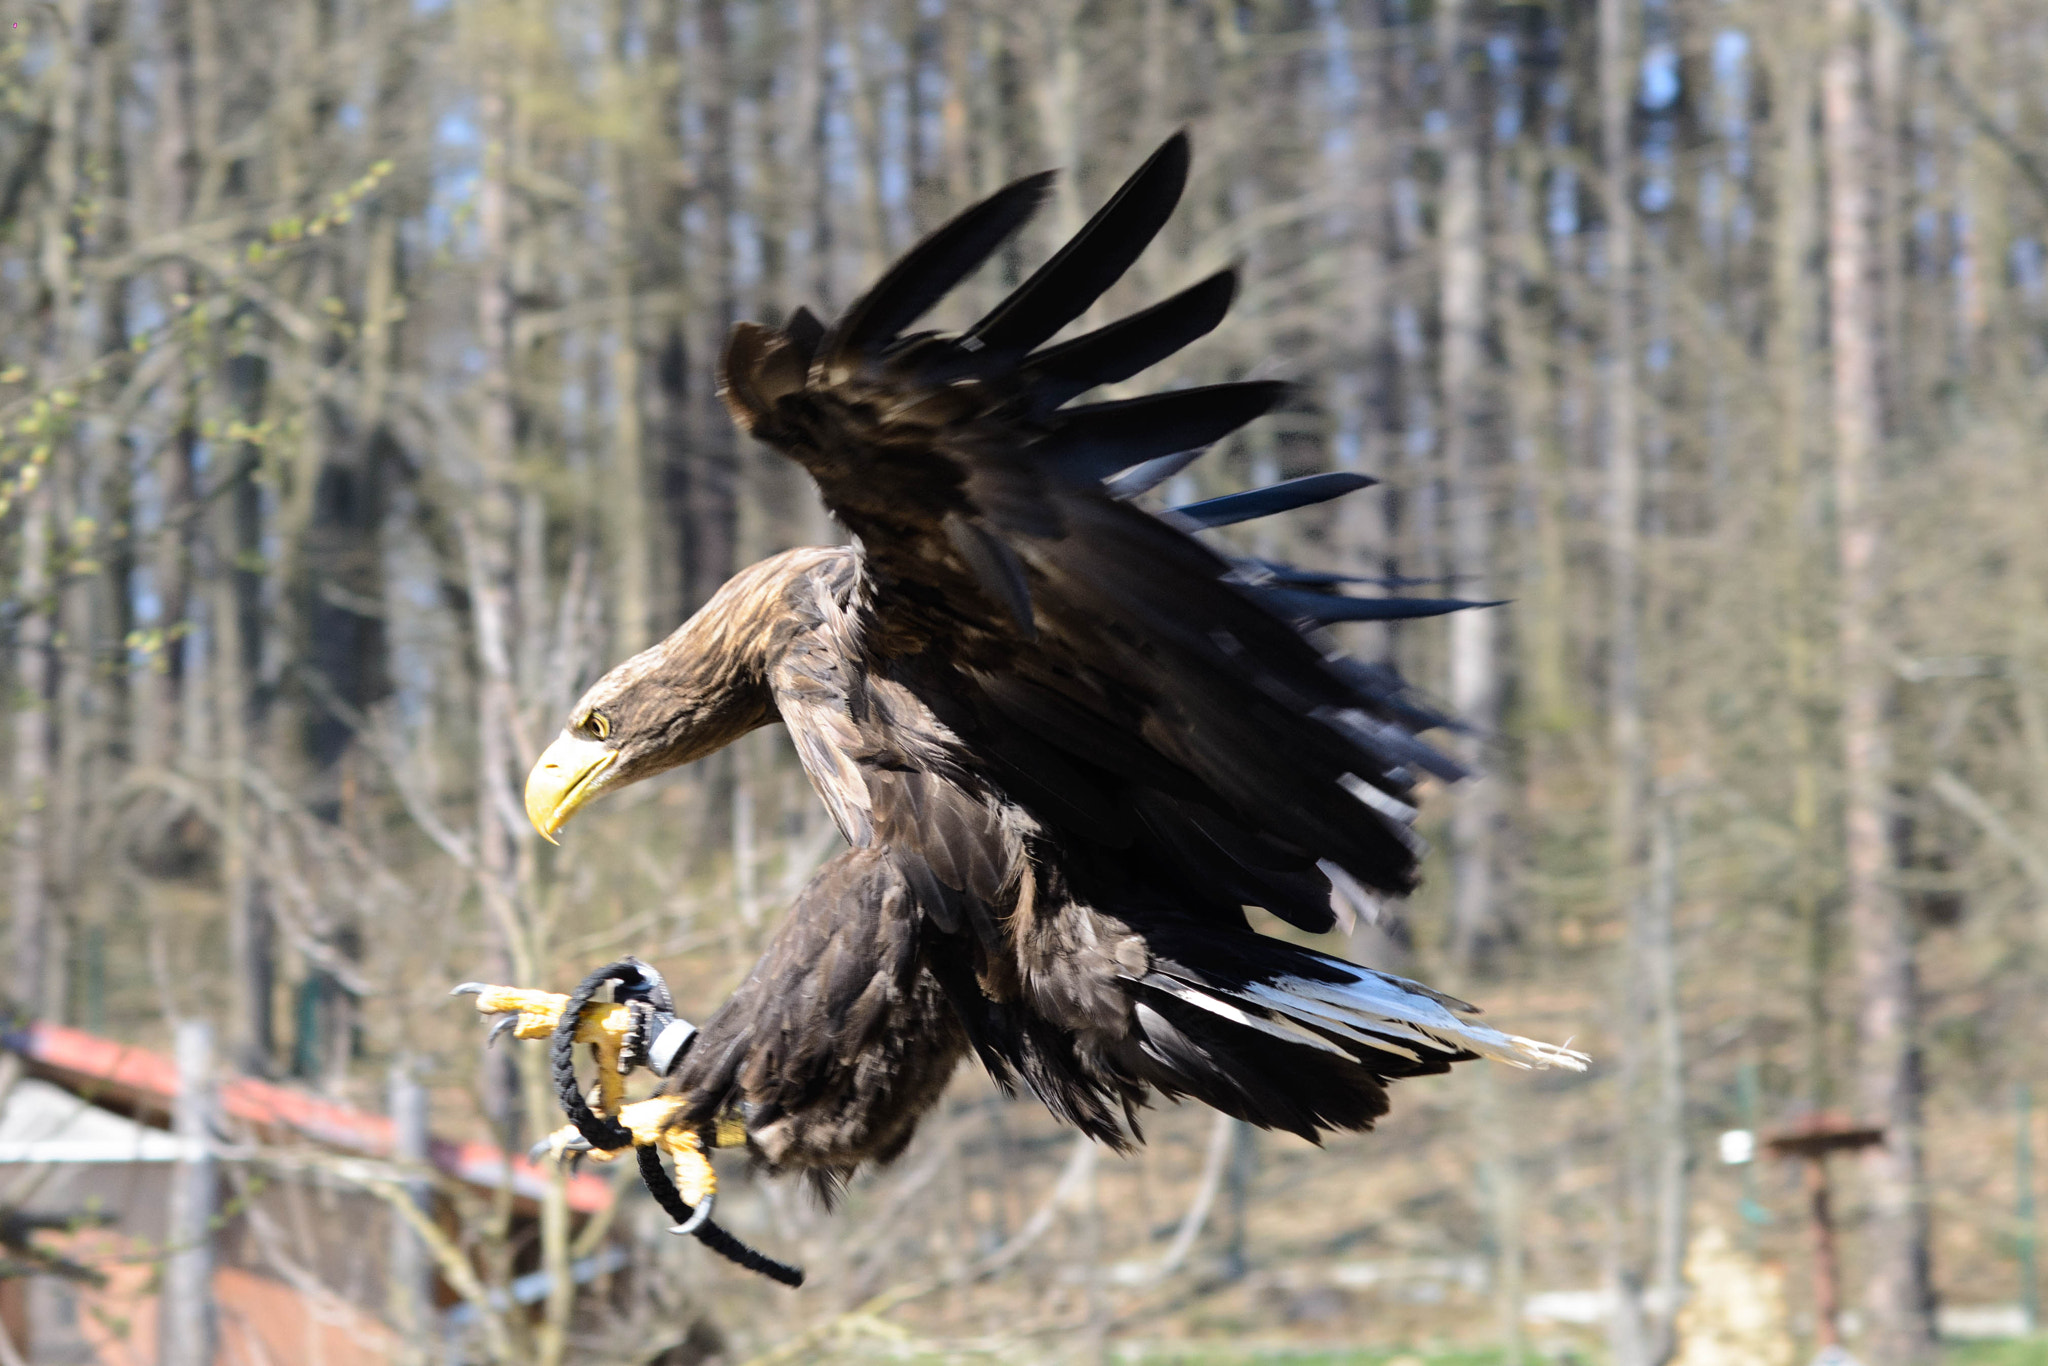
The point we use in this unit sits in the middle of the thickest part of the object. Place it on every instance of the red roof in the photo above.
(143, 1081)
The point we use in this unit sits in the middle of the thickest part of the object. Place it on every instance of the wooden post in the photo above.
(409, 1283)
(2023, 1207)
(185, 1318)
(1827, 1274)
(1811, 1142)
(1243, 1158)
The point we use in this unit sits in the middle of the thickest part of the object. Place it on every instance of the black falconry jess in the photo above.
(1068, 743)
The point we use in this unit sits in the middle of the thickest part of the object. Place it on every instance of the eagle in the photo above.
(1068, 743)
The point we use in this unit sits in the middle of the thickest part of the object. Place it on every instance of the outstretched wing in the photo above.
(998, 542)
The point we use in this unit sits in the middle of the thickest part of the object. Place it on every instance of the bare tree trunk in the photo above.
(68, 654)
(1658, 954)
(708, 466)
(1623, 511)
(1632, 1339)
(1465, 395)
(1791, 344)
(1542, 629)
(1900, 1295)
(36, 966)
(630, 554)
(238, 653)
(29, 973)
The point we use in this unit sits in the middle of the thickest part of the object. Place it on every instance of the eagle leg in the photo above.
(623, 1035)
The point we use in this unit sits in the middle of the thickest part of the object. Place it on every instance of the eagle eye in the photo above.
(596, 725)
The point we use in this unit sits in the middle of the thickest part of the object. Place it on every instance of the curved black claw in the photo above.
(504, 1026)
(575, 1147)
(470, 989)
(663, 1188)
(698, 1216)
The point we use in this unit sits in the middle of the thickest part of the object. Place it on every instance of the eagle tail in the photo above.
(1306, 1042)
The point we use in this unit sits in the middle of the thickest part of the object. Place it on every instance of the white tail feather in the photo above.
(1216, 1005)
(1373, 1009)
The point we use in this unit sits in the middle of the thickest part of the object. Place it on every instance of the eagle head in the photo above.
(693, 693)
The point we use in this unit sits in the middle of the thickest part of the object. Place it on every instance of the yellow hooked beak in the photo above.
(563, 780)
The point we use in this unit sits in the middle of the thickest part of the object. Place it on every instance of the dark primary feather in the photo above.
(1295, 602)
(1114, 352)
(931, 269)
(1064, 287)
(1091, 443)
(1295, 574)
(1068, 742)
(1149, 475)
(1286, 496)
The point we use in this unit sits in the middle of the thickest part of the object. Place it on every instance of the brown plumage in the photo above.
(1067, 742)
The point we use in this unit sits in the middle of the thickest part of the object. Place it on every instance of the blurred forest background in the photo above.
(357, 412)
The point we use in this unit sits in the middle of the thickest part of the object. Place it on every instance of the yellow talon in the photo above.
(537, 1010)
(606, 1026)
(649, 1121)
(696, 1181)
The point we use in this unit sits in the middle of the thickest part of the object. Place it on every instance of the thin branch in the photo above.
(1969, 802)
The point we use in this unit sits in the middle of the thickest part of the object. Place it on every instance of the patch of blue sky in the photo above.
(1561, 202)
(146, 307)
(1731, 86)
(458, 144)
(146, 603)
(893, 175)
(1407, 213)
(1503, 57)
(842, 146)
(1420, 439)
(1742, 221)
(457, 128)
(1347, 440)
(1339, 77)
(35, 57)
(2024, 260)
(1661, 85)
(1656, 193)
